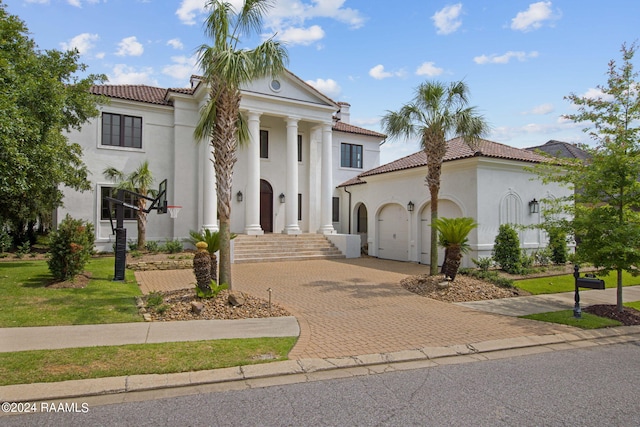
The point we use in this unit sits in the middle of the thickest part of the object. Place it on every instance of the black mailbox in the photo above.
(591, 283)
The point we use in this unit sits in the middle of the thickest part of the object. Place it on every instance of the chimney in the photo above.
(343, 114)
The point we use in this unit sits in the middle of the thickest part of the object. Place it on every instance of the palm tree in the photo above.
(453, 237)
(226, 67)
(437, 113)
(138, 181)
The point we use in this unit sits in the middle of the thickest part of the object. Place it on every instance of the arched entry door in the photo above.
(266, 206)
(393, 232)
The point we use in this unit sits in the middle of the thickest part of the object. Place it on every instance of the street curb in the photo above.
(373, 364)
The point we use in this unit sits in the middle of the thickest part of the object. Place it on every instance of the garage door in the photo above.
(446, 209)
(393, 233)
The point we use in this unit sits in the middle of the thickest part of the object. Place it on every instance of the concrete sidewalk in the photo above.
(522, 306)
(56, 337)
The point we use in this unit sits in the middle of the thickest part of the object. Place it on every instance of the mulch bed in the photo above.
(628, 317)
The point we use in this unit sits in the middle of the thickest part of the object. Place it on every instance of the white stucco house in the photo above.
(301, 146)
(305, 170)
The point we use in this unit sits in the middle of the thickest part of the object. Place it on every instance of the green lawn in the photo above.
(565, 317)
(566, 283)
(27, 367)
(26, 301)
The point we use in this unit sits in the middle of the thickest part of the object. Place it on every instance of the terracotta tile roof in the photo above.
(347, 128)
(140, 93)
(457, 149)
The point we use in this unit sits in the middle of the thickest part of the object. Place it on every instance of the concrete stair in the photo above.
(283, 247)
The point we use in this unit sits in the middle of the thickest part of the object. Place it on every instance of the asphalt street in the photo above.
(593, 386)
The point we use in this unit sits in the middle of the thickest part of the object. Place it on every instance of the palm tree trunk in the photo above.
(433, 270)
(452, 261)
(142, 229)
(214, 267)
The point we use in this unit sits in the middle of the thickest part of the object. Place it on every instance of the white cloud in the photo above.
(83, 42)
(38, 1)
(378, 72)
(188, 11)
(505, 58)
(124, 74)
(541, 109)
(176, 44)
(329, 87)
(76, 3)
(429, 69)
(447, 19)
(130, 46)
(182, 68)
(303, 36)
(533, 17)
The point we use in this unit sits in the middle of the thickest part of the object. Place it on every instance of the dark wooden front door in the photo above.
(266, 206)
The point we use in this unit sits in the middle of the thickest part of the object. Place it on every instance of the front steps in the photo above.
(283, 247)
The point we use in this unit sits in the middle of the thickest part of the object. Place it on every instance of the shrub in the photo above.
(489, 276)
(173, 246)
(527, 260)
(5, 240)
(543, 256)
(71, 247)
(132, 244)
(152, 246)
(506, 249)
(484, 264)
(558, 246)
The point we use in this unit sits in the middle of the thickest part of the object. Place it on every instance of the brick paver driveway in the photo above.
(357, 306)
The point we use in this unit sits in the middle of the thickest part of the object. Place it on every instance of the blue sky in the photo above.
(519, 58)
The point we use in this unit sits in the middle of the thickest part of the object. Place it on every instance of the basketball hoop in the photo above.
(173, 211)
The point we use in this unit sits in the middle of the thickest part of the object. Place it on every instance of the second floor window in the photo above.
(351, 156)
(121, 131)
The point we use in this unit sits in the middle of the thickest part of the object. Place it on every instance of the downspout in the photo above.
(349, 193)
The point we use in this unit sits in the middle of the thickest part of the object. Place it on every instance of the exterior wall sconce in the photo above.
(281, 197)
(534, 206)
(410, 206)
(239, 196)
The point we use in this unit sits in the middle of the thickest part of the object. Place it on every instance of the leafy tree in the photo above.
(453, 236)
(558, 245)
(226, 67)
(437, 112)
(605, 206)
(41, 99)
(506, 249)
(138, 181)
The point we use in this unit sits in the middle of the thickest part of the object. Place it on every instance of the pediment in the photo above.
(289, 87)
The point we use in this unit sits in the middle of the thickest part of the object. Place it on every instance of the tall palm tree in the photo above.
(454, 233)
(139, 181)
(437, 113)
(225, 68)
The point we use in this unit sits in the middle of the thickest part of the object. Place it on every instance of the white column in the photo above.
(209, 196)
(326, 204)
(291, 201)
(252, 198)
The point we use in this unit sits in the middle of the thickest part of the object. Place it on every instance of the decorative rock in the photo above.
(443, 285)
(236, 299)
(197, 307)
(147, 317)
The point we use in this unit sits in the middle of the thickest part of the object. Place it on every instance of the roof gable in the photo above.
(561, 149)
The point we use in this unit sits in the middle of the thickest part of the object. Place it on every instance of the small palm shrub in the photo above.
(484, 264)
(506, 249)
(71, 247)
(202, 268)
(452, 235)
(212, 239)
(173, 246)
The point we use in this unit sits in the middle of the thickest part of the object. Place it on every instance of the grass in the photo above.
(565, 317)
(26, 301)
(27, 367)
(566, 283)
(634, 304)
